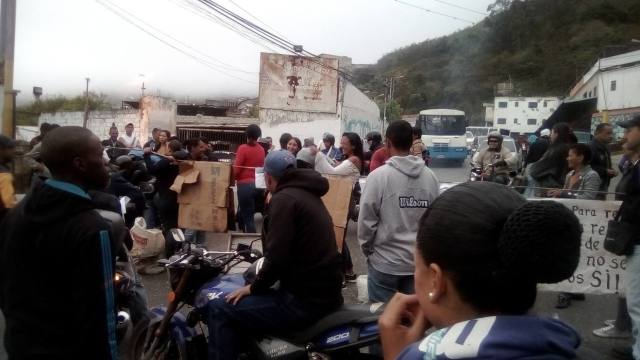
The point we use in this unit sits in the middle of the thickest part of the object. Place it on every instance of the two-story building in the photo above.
(613, 84)
(522, 115)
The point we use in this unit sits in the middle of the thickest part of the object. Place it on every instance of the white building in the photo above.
(522, 115)
(614, 84)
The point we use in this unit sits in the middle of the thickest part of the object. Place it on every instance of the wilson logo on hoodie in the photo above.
(411, 202)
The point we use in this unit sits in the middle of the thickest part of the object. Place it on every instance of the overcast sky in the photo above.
(61, 42)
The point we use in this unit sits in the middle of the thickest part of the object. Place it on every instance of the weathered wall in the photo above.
(99, 121)
(300, 124)
(359, 113)
(298, 83)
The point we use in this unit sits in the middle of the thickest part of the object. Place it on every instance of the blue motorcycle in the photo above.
(198, 276)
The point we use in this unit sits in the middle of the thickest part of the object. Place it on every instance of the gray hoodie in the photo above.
(394, 198)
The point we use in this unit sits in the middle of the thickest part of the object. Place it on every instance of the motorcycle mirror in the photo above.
(178, 235)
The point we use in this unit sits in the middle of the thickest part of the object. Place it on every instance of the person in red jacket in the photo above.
(379, 158)
(248, 157)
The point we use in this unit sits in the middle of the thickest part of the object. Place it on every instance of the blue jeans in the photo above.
(247, 206)
(632, 277)
(274, 313)
(382, 287)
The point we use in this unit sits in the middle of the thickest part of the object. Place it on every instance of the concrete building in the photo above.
(308, 97)
(613, 85)
(522, 115)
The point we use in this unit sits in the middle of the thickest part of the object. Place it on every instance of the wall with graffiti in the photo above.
(359, 113)
(298, 83)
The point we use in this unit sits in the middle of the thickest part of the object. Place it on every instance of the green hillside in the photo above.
(542, 46)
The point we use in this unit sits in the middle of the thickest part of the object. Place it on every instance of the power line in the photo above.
(222, 63)
(255, 18)
(433, 12)
(204, 62)
(211, 17)
(461, 7)
(265, 34)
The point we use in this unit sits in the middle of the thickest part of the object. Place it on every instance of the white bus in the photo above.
(443, 132)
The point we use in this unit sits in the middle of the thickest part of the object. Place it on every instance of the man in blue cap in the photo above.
(299, 251)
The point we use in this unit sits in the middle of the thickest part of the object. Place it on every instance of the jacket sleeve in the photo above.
(369, 215)
(98, 246)
(510, 158)
(596, 164)
(324, 167)
(476, 161)
(590, 186)
(279, 242)
(547, 165)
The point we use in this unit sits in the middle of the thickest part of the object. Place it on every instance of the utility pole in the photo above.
(7, 45)
(86, 106)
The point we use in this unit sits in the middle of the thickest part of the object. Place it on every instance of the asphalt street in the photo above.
(584, 316)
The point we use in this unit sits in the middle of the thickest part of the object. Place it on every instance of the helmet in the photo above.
(495, 135)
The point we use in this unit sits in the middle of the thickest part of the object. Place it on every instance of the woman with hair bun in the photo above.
(481, 251)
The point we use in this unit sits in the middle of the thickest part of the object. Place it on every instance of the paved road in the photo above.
(584, 315)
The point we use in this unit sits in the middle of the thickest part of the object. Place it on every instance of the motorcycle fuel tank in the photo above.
(218, 288)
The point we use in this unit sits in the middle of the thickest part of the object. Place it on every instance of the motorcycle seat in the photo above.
(349, 314)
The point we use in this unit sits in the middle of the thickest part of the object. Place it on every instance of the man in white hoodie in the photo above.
(394, 199)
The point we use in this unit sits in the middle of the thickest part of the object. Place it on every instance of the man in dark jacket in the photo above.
(630, 214)
(299, 251)
(56, 259)
(538, 148)
(601, 157)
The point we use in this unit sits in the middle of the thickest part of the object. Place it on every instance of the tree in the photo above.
(393, 111)
(62, 103)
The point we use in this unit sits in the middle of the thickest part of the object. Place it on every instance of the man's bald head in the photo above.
(75, 153)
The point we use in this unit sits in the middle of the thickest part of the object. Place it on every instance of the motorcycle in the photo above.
(198, 276)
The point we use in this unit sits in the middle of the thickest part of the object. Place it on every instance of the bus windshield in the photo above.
(442, 124)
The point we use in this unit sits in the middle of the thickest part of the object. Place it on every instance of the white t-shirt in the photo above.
(130, 141)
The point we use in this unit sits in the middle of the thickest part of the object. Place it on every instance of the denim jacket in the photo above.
(586, 188)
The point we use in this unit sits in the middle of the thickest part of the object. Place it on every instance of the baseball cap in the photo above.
(7, 142)
(635, 121)
(278, 162)
(545, 132)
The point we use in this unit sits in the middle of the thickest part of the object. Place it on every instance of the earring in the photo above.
(430, 295)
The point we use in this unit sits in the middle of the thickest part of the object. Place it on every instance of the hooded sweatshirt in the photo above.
(498, 337)
(56, 276)
(299, 243)
(394, 198)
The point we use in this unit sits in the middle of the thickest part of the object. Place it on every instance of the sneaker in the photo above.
(612, 332)
(622, 352)
(610, 322)
(350, 277)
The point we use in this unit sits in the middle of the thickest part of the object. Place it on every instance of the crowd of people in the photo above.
(466, 262)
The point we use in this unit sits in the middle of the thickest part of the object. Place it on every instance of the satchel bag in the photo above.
(619, 237)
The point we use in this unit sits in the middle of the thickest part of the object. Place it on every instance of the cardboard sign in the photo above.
(599, 271)
(337, 201)
(202, 189)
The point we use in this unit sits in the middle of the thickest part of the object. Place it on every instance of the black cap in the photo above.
(635, 121)
(7, 142)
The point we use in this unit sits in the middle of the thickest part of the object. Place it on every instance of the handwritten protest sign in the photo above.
(599, 271)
